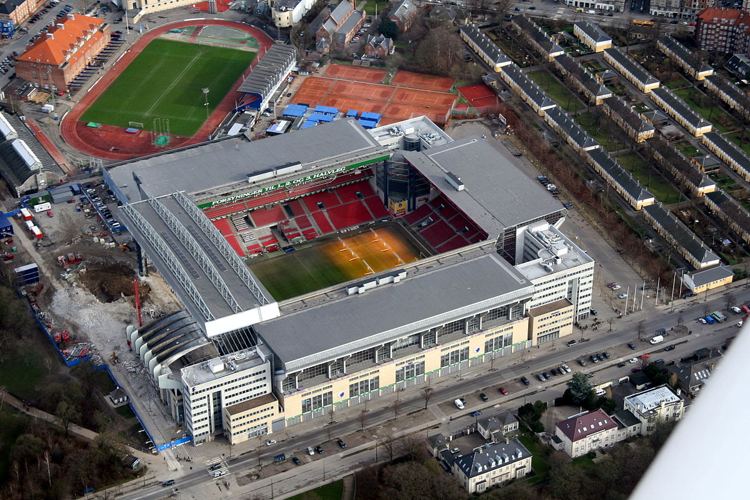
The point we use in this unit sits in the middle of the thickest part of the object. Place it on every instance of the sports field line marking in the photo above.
(175, 81)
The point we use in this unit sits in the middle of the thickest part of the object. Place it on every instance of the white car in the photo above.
(740, 323)
(616, 286)
(736, 310)
(622, 296)
(565, 368)
(702, 321)
(632, 361)
(310, 451)
(459, 404)
(270, 442)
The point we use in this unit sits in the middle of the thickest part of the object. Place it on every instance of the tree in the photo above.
(363, 419)
(427, 394)
(388, 28)
(580, 388)
(67, 414)
(641, 329)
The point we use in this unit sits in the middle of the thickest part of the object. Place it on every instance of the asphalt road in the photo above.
(614, 342)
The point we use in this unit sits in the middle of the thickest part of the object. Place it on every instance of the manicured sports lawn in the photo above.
(166, 81)
(333, 260)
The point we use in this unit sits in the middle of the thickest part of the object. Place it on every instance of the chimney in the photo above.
(60, 26)
(507, 441)
(71, 16)
(50, 36)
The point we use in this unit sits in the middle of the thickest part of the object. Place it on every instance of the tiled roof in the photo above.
(680, 107)
(678, 162)
(594, 31)
(730, 150)
(583, 76)
(582, 426)
(631, 66)
(681, 52)
(531, 29)
(632, 118)
(681, 234)
(621, 176)
(61, 42)
(492, 456)
(731, 208)
(572, 129)
(710, 13)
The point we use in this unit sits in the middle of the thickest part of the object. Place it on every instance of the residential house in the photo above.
(681, 112)
(340, 27)
(727, 152)
(683, 170)
(620, 179)
(726, 31)
(287, 13)
(628, 119)
(591, 35)
(19, 11)
(701, 281)
(655, 406)
(527, 89)
(739, 65)
(731, 212)
(693, 375)
(497, 427)
(492, 464)
(403, 13)
(686, 59)
(680, 237)
(484, 47)
(379, 46)
(631, 70)
(580, 79)
(56, 58)
(586, 432)
(563, 124)
(730, 94)
(542, 42)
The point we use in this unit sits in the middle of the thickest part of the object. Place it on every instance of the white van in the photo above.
(656, 340)
(310, 451)
(459, 404)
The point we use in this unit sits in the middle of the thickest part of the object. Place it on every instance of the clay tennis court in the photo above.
(479, 96)
(422, 81)
(351, 88)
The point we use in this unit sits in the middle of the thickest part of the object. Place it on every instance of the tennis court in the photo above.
(355, 73)
(348, 88)
(330, 261)
(422, 81)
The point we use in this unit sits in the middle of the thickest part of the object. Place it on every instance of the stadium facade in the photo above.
(237, 363)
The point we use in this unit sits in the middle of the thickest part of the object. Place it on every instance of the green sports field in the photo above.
(166, 81)
(336, 260)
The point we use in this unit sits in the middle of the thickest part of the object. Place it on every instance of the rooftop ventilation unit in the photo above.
(454, 181)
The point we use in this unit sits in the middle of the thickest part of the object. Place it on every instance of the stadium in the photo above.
(346, 263)
(174, 87)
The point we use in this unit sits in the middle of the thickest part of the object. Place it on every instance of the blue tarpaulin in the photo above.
(367, 123)
(294, 110)
(352, 113)
(326, 109)
(320, 117)
(308, 124)
(367, 115)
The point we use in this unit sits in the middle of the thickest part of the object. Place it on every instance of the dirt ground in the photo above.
(110, 282)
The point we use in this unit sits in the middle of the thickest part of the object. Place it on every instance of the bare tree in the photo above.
(363, 419)
(427, 394)
(609, 321)
(641, 329)
(396, 405)
(389, 443)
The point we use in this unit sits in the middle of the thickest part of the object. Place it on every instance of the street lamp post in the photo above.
(205, 91)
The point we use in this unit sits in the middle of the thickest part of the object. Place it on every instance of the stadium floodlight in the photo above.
(205, 91)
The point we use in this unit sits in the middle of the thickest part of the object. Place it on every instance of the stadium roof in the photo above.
(196, 260)
(497, 195)
(593, 31)
(271, 68)
(631, 66)
(231, 161)
(388, 312)
(679, 107)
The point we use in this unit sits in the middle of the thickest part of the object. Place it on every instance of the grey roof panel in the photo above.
(632, 118)
(488, 46)
(677, 161)
(681, 52)
(231, 161)
(531, 29)
(269, 70)
(727, 87)
(496, 195)
(635, 69)
(680, 107)
(593, 31)
(531, 89)
(620, 175)
(710, 275)
(731, 208)
(572, 129)
(492, 456)
(681, 234)
(730, 150)
(580, 73)
(387, 312)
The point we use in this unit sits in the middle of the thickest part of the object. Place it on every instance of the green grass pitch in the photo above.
(166, 81)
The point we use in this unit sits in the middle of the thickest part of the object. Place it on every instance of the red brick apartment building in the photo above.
(57, 58)
(723, 30)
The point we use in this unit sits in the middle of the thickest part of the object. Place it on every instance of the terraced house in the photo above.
(631, 70)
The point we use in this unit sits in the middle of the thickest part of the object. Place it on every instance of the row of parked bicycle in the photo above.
(93, 67)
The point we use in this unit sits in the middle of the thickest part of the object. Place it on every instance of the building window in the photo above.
(317, 402)
(498, 343)
(406, 342)
(456, 326)
(364, 387)
(454, 357)
(410, 371)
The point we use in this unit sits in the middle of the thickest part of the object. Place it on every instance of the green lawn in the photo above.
(556, 90)
(166, 81)
(651, 180)
(737, 140)
(330, 491)
(370, 6)
(679, 83)
(21, 372)
(708, 109)
(539, 458)
(688, 149)
(590, 124)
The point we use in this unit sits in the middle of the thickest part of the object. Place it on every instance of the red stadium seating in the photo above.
(437, 233)
(232, 240)
(267, 216)
(224, 210)
(223, 225)
(322, 221)
(418, 214)
(348, 215)
(457, 241)
(303, 222)
(296, 207)
(254, 249)
(376, 207)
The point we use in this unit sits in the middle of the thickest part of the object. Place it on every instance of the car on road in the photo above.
(622, 296)
(168, 482)
(341, 443)
(483, 397)
(525, 381)
(459, 404)
(296, 461)
(319, 450)
(632, 361)
(670, 348)
(631, 346)
(566, 368)
(270, 442)
(571, 343)
(503, 391)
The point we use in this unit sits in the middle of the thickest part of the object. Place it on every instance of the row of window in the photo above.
(454, 357)
(498, 343)
(364, 387)
(317, 402)
(410, 371)
(237, 380)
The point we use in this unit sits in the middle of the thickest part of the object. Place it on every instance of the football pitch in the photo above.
(332, 261)
(165, 81)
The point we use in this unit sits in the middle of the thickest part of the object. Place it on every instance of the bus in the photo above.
(643, 22)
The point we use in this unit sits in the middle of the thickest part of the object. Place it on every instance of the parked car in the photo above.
(525, 381)
(319, 450)
(270, 442)
(296, 461)
(632, 361)
(279, 458)
(582, 362)
(594, 358)
(736, 310)
(605, 355)
(669, 348)
(541, 377)
(565, 368)
(459, 404)
(632, 346)
(341, 443)
(572, 342)
(475, 413)
(310, 450)
(622, 296)
(503, 391)
(483, 397)
(168, 482)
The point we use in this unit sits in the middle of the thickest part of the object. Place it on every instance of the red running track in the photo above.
(112, 143)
